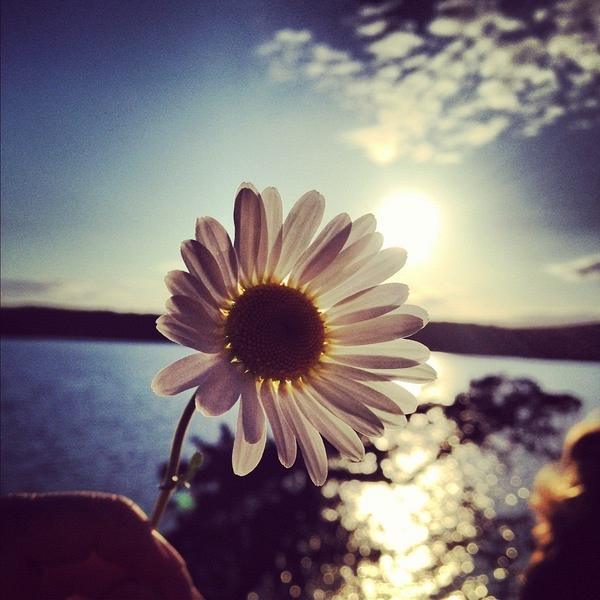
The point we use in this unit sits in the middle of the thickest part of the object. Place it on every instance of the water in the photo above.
(81, 415)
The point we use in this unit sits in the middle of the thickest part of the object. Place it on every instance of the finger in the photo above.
(91, 578)
(175, 577)
(54, 529)
(130, 591)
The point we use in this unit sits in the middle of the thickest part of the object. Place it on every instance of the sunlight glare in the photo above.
(411, 220)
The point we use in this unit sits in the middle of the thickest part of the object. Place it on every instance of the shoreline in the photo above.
(569, 342)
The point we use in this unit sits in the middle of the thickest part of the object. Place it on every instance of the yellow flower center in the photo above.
(275, 331)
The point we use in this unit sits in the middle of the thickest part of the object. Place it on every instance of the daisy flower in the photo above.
(302, 331)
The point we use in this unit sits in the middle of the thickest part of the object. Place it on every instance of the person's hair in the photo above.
(564, 491)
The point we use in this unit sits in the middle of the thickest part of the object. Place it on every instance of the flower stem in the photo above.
(171, 476)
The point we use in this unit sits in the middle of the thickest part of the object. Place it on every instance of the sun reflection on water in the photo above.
(435, 521)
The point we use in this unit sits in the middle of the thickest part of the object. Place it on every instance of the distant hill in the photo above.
(576, 342)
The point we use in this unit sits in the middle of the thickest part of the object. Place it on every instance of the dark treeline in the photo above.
(575, 342)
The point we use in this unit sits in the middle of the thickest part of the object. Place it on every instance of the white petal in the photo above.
(332, 428)
(194, 313)
(251, 241)
(365, 314)
(412, 309)
(298, 230)
(368, 304)
(391, 421)
(262, 252)
(394, 354)
(246, 185)
(212, 234)
(219, 389)
(369, 396)
(274, 258)
(345, 406)
(401, 347)
(348, 262)
(401, 396)
(181, 283)
(379, 268)
(419, 374)
(361, 227)
(188, 335)
(322, 251)
(380, 329)
(309, 439)
(245, 456)
(283, 435)
(274, 213)
(376, 362)
(253, 415)
(339, 370)
(183, 374)
(184, 336)
(202, 265)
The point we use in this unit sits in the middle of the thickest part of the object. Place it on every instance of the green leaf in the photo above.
(193, 467)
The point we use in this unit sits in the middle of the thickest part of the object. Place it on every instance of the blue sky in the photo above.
(123, 122)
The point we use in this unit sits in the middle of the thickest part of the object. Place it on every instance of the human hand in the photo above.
(86, 546)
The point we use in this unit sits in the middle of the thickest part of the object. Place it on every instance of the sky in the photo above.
(470, 128)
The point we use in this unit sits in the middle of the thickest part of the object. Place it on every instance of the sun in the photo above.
(411, 220)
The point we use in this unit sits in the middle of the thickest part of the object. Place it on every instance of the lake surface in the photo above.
(81, 415)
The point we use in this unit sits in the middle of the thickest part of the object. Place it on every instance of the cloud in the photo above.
(584, 268)
(456, 304)
(567, 316)
(430, 92)
(289, 45)
(371, 29)
(395, 45)
(15, 288)
(130, 295)
(374, 10)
